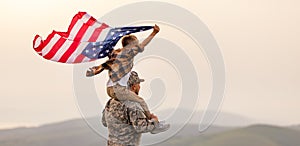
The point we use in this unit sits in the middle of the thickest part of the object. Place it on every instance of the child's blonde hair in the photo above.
(127, 39)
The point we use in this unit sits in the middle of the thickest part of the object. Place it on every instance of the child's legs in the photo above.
(122, 93)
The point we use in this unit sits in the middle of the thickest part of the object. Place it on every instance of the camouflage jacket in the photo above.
(125, 122)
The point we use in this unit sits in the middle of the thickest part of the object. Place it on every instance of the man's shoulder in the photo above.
(119, 110)
(132, 105)
(126, 103)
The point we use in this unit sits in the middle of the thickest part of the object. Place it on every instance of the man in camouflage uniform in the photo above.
(126, 120)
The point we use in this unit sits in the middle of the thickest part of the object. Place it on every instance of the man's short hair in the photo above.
(127, 39)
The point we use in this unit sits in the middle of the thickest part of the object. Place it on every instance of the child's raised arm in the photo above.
(156, 29)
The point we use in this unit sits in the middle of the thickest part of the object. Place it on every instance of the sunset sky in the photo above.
(259, 41)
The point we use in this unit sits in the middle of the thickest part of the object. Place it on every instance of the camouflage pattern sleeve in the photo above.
(140, 122)
(103, 119)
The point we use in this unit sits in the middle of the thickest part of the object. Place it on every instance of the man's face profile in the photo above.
(136, 88)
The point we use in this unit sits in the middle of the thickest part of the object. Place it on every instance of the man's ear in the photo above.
(132, 87)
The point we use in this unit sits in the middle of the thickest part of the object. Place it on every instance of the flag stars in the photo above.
(102, 49)
(94, 44)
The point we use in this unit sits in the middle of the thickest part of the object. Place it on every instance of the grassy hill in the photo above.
(77, 133)
(295, 127)
(257, 135)
(70, 133)
(74, 133)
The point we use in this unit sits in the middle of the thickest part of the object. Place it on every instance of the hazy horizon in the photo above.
(243, 121)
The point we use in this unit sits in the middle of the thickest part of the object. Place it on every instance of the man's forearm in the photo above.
(143, 126)
(140, 122)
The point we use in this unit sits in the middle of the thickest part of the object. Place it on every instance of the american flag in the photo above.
(86, 40)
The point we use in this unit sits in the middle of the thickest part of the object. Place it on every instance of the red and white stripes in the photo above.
(66, 47)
